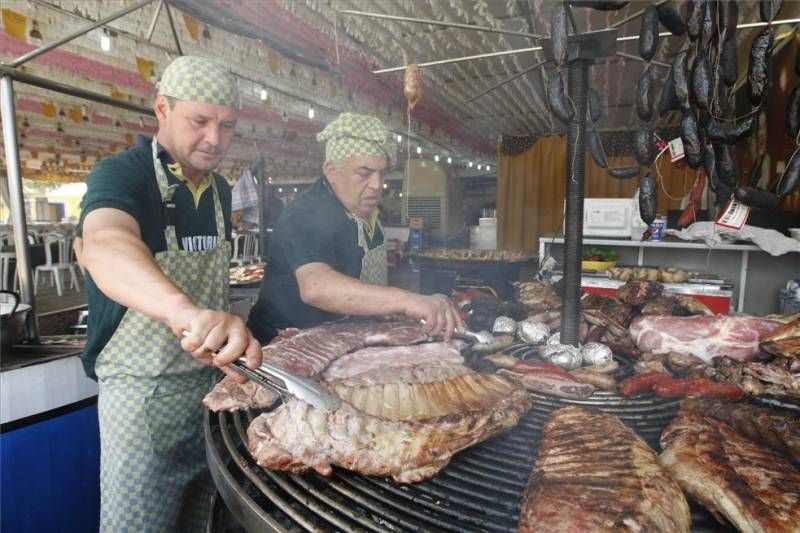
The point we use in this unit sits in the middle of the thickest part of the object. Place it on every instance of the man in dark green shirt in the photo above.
(127, 182)
(327, 256)
(156, 249)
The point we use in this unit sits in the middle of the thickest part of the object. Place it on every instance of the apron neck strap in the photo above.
(168, 190)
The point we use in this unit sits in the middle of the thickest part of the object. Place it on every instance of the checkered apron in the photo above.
(373, 264)
(153, 473)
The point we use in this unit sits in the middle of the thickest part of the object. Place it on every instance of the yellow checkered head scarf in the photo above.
(351, 135)
(198, 79)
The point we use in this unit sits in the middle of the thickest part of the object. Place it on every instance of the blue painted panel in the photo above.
(50, 475)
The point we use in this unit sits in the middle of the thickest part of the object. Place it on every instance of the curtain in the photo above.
(531, 189)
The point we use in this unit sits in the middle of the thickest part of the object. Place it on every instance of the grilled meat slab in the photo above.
(307, 352)
(751, 486)
(228, 395)
(777, 378)
(609, 306)
(703, 336)
(423, 373)
(784, 341)
(779, 431)
(368, 359)
(419, 429)
(595, 474)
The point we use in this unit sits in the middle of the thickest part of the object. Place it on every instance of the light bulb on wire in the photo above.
(436, 158)
(311, 113)
(470, 164)
(419, 150)
(449, 160)
(399, 138)
(105, 41)
(264, 94)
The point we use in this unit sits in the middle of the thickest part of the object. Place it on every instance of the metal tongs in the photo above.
(286, 384)
(481, 337)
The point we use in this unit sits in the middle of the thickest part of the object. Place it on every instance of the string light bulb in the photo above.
(264, 94)
(479, 166)
(105, 41)
(488, 168)
(399, 138)
(280, 189)
(35, 33)
(436, 158)
(419, 150)
(385, 185)
(311, 113)
(449, 160)
(470, 164)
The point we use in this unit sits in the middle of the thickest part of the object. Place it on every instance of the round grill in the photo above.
(480, 490)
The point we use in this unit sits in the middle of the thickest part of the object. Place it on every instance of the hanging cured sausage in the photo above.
(413, 85)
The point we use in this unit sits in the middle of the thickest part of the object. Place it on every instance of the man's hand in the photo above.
(216, 339)
(440, 314)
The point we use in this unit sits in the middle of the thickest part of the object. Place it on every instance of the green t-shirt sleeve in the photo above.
(115, 185)
(308, 238)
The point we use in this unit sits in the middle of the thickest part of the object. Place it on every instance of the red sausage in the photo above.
(535, 367)
(699, 387)
(643, 382)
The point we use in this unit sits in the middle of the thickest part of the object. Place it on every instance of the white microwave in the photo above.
(607, 217)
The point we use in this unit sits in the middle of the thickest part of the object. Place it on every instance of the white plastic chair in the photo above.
(5, 268)
(55, 268)
(239, 247)
(250, 248)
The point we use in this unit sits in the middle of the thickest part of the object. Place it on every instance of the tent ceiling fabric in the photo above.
(308, 53)
(519, 107)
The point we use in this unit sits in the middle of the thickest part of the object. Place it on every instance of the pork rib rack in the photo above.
(750, 485)
(410, 446)
(595, 474)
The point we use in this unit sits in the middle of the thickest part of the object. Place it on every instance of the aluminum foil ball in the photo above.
(554, 339)
(595, 353)
(566, 356)
(504, 325)
(533, 332)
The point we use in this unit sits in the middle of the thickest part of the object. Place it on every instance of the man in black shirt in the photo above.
(327, 256)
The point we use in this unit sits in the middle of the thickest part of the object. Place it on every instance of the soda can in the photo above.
(657, 228)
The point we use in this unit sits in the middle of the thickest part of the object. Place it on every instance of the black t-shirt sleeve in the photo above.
(308, 238)
(115, 185)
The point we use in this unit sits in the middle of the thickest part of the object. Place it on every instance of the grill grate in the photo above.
(480, 489)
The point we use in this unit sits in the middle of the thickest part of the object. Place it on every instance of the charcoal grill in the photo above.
(480, 489)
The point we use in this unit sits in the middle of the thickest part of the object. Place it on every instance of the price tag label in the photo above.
(676, 149)
(735, 215)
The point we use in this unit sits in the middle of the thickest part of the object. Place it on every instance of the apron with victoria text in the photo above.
(153, 473)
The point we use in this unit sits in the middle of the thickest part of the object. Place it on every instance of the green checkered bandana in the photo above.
(197, 79)
(351, 134)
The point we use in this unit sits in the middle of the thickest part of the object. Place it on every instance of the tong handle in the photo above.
(261, 378)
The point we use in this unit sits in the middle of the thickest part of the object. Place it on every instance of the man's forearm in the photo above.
(326, 289)
(124, 269)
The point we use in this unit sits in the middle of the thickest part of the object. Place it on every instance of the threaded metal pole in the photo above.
(573, 218)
